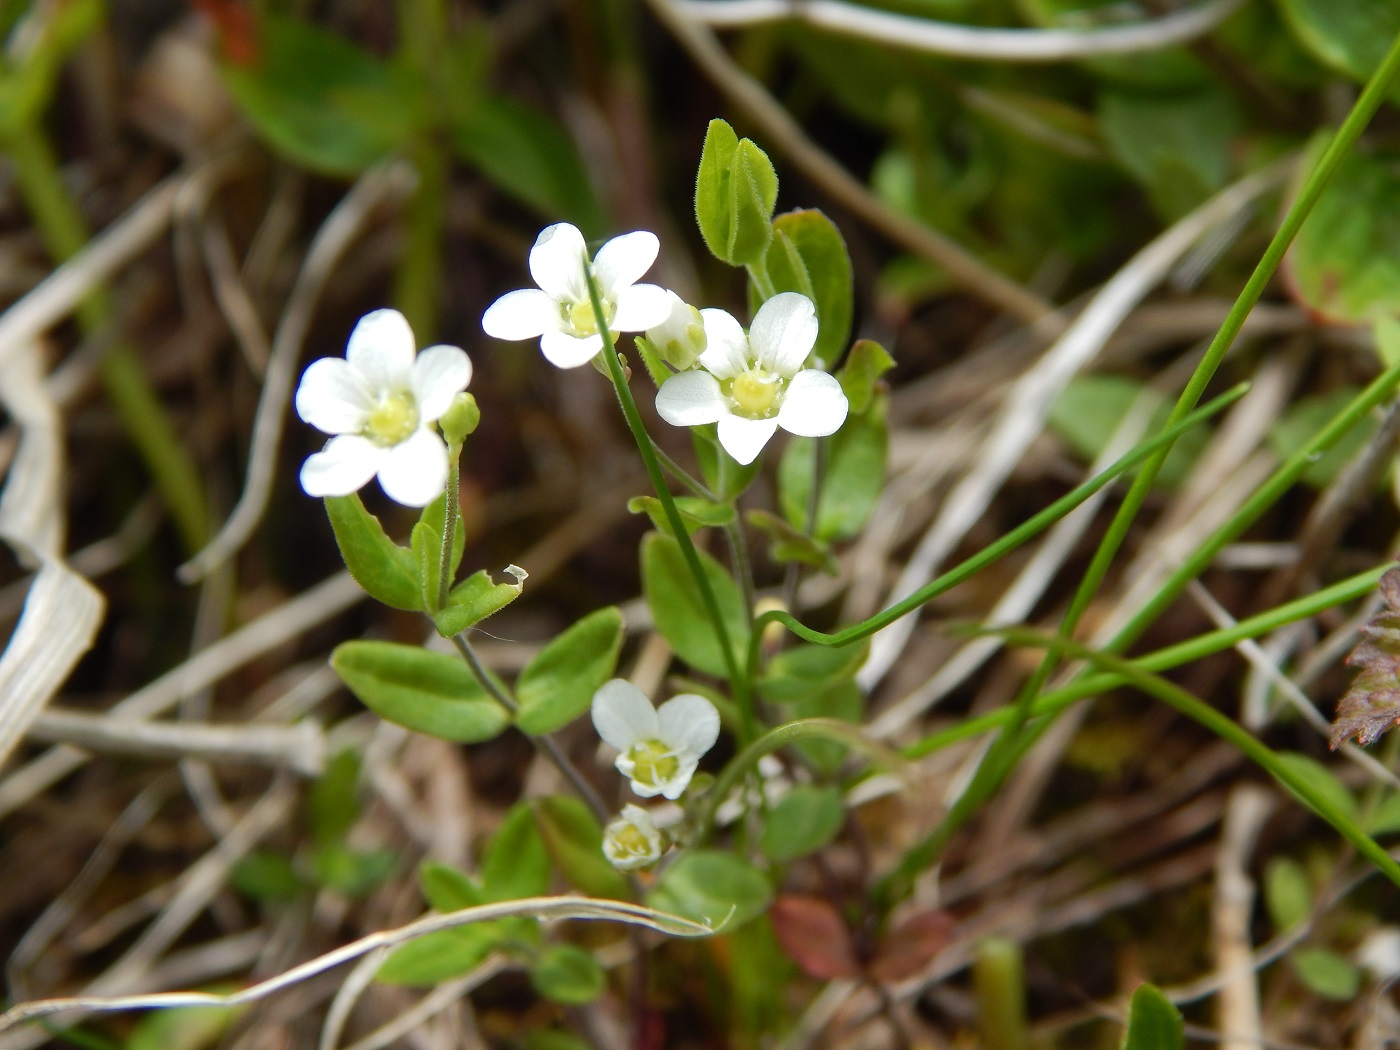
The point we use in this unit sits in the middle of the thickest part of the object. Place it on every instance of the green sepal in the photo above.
(696, 512)
(476, 598)
(558, 684)
(575, 842)
(428, 692)
(387, 572)
(786, 544)
(864, 366)
(679, 611)
(652, 360)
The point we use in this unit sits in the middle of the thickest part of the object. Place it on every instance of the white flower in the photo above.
(560, 311)
(679, 339)
(380, 403)
(658, 749)
(752, 384)
(633, 841)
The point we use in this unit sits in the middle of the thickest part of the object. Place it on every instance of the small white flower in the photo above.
(380, 403)
(560, 311)
(752, 384)
(633, 841)
(680, 339)
(1379, 953)
(658, 750)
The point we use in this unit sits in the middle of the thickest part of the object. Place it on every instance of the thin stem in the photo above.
(793, 576)
(738, 678)
(544, 741)
(449, 523)
(743, 568)
(696, 487)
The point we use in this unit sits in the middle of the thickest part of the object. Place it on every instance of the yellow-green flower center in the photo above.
(583, 320)
(393, 420)
(653, 763)
(754, 392)
(632, 841)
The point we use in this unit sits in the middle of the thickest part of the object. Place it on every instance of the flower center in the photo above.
(653, 763)
(631, 841)
(583, 320)
(393, 420)
(755, 391)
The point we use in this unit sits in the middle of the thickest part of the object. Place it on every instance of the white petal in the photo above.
(557, 261)
(640, 307)
(814, 405)
(689, 724)
(342, 467)
(744, 438)
(783, 332)
(623, 715)
(688, 399)
(333, 397)
(414, 472)
(639, 788)
(569, 351)
(727, 347)
(521, 314)
(675, 787)
(623, 260)
(440, 373)
(381, 349)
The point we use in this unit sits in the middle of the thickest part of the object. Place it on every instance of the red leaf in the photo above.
(911, 946)
(814, 936)
(1371, 705)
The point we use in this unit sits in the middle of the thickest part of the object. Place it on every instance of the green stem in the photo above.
(743, 568)
(696, 487)
(739, 680)
(143, 417)
(449, 523)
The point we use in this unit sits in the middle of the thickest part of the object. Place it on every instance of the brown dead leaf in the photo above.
(1371, 705)
(814, 936)
(911, 946)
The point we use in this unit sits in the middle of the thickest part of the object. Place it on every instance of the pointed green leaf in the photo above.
(446, 888)
(1327, 974)
(1154, 1023)
(802, 822)
(387, 572)
(825, 271)
(697, 513)
(712, 887)
(440, 956)
(1348, 35)
(679, 611)
(575, 841)
(714, 210)
(558, 684)
(753, 186)
(476, 598)
(864, 366)
(428, 692)
(516, 864)
(565, 973)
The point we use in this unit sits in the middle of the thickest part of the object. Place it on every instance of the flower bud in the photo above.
(633, 841)
(679, 339)
(460, 419)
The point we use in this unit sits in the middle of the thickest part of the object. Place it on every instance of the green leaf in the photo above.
(333, 805)
(1345, 262)
(754, 185)
(1327, 974)
(852, 482)
(841, 700)
(516, 864)
(1287, 893)
(387, 572)
(802, 822)
(1320, 779)
(529, 157)
(1386, 819)
(352, 872)
(787, 544)
(808, 255)
(181, 1028)
(446, 888)
(679, 611)
(575, 842)
(435, 514)
(696, 512)
(1091, 409)
(1154, 1022)
(1177, 146)
(712, 887)
(714, 210)
(323, 102)
(1350, 36)
(440, 956)
(1301, 422)
(266, 877)
(726, 478)
(864, 366)
(805, 670)
(476, 598)
(1387, 334)
(426, 543)
(565, 973)
(427, 692)
(558, 684)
